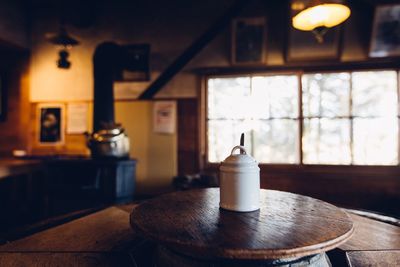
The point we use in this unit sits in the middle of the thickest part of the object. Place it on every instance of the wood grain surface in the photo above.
(65, 259)
(106, 230)
(287, 225)
(126, 207)
(373, 258)
(372, 235)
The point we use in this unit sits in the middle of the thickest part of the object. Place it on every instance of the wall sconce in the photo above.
(319, 16)
(63, 39)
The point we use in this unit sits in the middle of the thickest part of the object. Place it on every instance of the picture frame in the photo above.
(50, 124)
(248, 41)
(302, 46)
(164, 117)
(137, 65)
(385, 37)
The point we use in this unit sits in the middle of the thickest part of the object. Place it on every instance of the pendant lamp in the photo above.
(65, 41)
(320, 15)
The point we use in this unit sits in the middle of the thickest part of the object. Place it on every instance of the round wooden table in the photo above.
(288, 227)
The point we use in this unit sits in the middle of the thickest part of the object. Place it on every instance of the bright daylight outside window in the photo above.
(346, 118)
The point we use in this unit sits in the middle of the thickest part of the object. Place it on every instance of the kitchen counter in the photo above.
(38, 187)
(13, 167)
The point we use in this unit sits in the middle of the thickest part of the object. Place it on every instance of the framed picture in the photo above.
(137, 64)
(248, 41)
(50, 124)
(303, 46)
(3, 100)
(385, 38)
(164, 117)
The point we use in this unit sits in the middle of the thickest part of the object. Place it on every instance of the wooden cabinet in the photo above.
(74, 184)
(22, 192)
(32, 190)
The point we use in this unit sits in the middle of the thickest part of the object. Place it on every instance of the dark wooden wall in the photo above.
(14, 76)
(188, 136)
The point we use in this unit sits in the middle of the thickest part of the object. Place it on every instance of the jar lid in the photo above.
(240, 160)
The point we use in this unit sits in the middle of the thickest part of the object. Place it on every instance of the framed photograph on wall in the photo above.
(248, 41)
(50, 124)
(303, 46)
(164, 117)
(385, 38)
(137, 64)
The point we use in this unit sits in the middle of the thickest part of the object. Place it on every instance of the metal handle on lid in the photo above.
(242, 149)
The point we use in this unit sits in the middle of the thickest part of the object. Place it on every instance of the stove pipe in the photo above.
(108, 138)
(107, 60)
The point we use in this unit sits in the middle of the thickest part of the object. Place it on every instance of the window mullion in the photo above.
(300, 120)
(351, 119)
(252, 119)
(398, 114)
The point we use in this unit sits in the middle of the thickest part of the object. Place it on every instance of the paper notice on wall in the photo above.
(77, 118)
(164, 116)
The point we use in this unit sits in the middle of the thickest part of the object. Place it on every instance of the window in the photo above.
(346, 118)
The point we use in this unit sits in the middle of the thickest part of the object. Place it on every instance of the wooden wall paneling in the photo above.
(373, 188)
(188, 136)
(14, 76)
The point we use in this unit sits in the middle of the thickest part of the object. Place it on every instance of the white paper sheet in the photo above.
(164, 116)
(77, 118)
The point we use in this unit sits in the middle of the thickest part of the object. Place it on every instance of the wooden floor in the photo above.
(105, 238)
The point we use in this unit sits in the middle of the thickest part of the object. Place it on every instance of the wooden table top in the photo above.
(287, 225)
(106, 230)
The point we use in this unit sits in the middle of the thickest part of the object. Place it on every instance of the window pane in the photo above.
(374, 93)
(276, 141)
(326, 141)
(223, 135)
(275, 96)
(375, 141)
(228, 98)
(326, 95)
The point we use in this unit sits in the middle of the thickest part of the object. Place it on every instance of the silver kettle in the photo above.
(109, 142)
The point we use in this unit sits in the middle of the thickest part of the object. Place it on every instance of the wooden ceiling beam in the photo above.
(194, 49)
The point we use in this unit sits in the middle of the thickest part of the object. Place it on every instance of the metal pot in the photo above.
(111, 142)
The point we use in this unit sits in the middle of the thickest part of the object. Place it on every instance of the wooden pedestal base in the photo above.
(169, 258)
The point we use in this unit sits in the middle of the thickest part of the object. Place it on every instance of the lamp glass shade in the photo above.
(323, 15)
(62, 38)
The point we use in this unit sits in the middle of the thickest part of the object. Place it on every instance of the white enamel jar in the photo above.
(239, 182)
